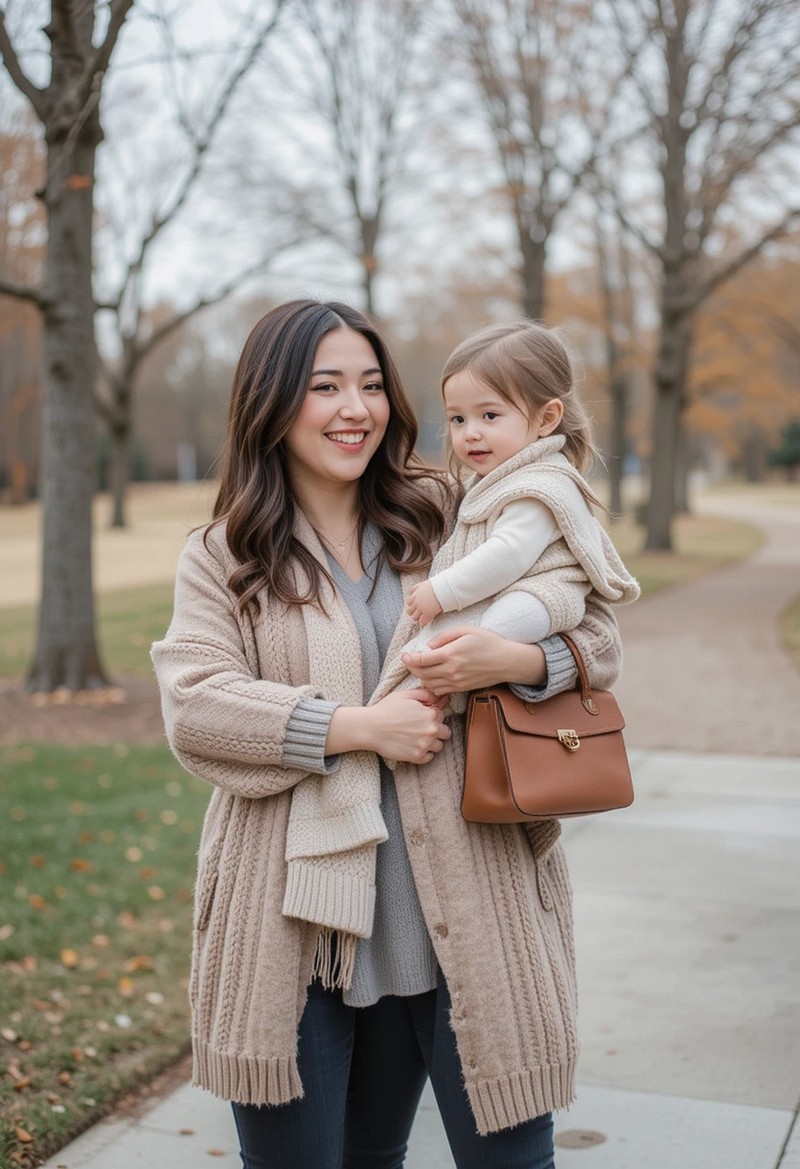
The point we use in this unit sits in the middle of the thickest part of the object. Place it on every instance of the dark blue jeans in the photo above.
(363, 1071)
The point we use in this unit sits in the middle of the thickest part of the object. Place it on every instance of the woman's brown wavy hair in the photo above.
(255, 497)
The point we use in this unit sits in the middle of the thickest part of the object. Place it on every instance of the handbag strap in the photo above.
(583, 677)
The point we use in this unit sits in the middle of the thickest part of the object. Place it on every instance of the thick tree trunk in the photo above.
(670, 375)
(619, 422)
(682, 470)
(66, 651)
(534, 256)
(119, 471)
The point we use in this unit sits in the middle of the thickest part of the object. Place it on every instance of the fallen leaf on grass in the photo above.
(69, 958)
(36, 862)
(81, 865)
(22, 1135)
(9, 1035)
(140, 962)
(125, 986)
(64, 1078)
(6, 932)
(156, 893)
(36, 901)
(22, 1084)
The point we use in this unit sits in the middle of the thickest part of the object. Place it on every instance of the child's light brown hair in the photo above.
(527, 364)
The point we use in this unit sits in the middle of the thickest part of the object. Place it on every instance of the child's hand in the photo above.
(422, 604)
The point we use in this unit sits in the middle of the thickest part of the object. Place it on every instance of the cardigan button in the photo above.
(416, 836)
(441, 930)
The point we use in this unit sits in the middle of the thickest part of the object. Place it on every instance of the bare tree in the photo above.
(351, 115)
(720, 85)
(619, 331)
(134, 337)
(547, 96)
(81, 47)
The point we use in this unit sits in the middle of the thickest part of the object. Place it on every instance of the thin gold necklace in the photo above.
(332, 544)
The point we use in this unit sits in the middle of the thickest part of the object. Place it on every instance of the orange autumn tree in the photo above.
(21, 258)
(743, 385)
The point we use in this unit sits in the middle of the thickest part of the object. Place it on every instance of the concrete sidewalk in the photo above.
(688, 933)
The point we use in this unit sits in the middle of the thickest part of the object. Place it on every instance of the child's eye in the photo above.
(490, 415)
(456, 420)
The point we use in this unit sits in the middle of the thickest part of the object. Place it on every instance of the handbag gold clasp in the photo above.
(569, 739)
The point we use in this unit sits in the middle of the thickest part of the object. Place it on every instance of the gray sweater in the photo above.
(398, 958)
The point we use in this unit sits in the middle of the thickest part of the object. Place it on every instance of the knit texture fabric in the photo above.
(581, 561)
(496, 900)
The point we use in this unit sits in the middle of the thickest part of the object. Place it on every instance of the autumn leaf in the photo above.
(77, 182)
(69, 958)
(22, 1135)
(156, 893)
(80, 865)
(23, 1083)
(36, 901)
(125, 986)
(140, 962)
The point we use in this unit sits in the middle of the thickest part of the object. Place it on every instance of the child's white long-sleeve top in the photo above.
(535, 499)
(519, 536)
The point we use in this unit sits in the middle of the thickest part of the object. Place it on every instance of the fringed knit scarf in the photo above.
(335, 821)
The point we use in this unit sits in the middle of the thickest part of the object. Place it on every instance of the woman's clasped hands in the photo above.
(407, 726)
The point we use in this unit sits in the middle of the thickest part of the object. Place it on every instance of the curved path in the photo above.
(704, 666)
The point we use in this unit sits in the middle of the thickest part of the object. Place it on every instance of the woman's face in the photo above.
(344, 415)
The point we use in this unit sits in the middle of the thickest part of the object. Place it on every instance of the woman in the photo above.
(352, 933)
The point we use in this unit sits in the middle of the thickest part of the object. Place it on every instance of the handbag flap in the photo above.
(563, 711)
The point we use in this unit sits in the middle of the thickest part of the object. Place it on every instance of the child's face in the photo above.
(485, 429)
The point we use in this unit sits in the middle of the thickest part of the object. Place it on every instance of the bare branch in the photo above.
(23, 292)
(743, 259)
(98, 62)
(201, 144)
(33, 93)
(141, 350)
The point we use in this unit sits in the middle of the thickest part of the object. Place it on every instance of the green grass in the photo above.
(790, 630)
(97, 860)
(129, 621)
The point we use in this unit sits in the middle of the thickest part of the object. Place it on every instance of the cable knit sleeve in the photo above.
(222, 722)
(306, 732)
(597, 638)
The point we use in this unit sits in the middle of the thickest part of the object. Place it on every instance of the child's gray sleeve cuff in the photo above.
(306, 732)
(562, 673)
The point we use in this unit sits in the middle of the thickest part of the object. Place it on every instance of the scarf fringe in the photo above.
(335, 958)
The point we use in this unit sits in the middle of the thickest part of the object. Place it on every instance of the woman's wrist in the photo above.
(524, 665)
(349, 730)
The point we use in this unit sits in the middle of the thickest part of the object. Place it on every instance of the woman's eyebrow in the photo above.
(340, 373)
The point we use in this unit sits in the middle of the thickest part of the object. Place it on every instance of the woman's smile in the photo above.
(344, 415)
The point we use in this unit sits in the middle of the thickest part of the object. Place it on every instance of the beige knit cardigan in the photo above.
(496, 900)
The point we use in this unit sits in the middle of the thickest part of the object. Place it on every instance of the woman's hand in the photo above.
(470, 657)
(406, 725)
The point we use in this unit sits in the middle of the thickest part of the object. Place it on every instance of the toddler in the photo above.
(526, 547)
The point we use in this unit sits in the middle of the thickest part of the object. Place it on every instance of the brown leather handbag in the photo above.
(564, 756)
